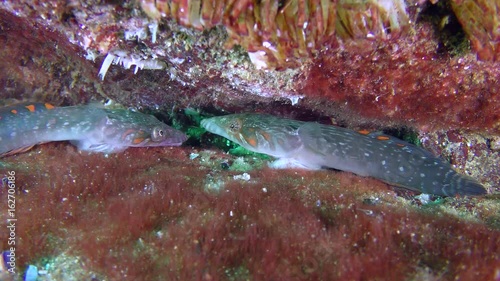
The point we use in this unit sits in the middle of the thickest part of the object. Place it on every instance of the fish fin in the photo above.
(16, 151)
(291, 163)
(309, 134)
(462, 185)
(96, 147)
(466, 185)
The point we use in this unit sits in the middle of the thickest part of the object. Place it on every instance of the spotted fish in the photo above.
(314, 146)
(89, 127)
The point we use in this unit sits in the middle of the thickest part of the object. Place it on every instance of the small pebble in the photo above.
(224, 166)
(244, 176)
(494, 143)
(424, 198)
(31, 273)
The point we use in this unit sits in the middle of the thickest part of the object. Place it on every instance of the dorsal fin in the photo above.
(16, 151)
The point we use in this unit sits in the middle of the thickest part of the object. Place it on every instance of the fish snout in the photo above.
(174, 137)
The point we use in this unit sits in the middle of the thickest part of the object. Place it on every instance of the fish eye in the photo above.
(158, 134)
(234, 126)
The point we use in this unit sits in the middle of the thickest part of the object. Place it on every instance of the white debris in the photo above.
(193, 156)
(268, 45)
(105, 65)
(91, 55)
(244, 177)
(136, 34)
(128, 60)
(259, 59)
(295, 99)
(137, 29)
(424, 198)
(153, 28)
(177, 60)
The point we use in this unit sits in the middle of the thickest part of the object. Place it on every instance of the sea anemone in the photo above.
(280, 34)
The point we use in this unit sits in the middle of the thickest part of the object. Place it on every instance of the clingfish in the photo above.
(89, 127)
(312, 146)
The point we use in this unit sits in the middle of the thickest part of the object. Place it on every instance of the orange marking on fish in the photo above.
(266, 135)
(400, 145)
(384, 138)
(280, 142)
(49, 106)
(126, 133)
(31, 107)
(14, 111)
(364, 132)
(252, 142)
(138, 140)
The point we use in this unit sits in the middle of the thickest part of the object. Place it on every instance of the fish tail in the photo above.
(464, 185)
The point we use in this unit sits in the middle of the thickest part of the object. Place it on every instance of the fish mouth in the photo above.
(212, 127)
(173, 141)
(173, 138)
(205, 124)
(176, 142)
(167, 142)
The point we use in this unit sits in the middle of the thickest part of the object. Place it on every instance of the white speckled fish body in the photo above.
(314, 146)
(89, 127)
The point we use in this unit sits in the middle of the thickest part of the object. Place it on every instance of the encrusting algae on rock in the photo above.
(147, 213)
(313, 146)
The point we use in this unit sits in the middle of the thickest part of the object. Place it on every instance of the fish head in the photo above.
(256, 132)
(228, 126)
(239, 128)
(134, 129)
(159, 135)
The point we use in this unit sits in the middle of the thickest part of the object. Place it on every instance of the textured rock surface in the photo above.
(160, 214)
(412, 70)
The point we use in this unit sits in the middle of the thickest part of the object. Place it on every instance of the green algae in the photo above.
(238, 273)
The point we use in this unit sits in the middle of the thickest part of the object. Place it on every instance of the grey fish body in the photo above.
(21, 127)
(89, 127)
(314, 146)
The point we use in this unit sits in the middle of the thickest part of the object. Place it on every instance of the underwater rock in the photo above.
(147, 213)
(152, 214)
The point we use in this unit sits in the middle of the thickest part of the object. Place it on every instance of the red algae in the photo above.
(407, 86)
(145, 214)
